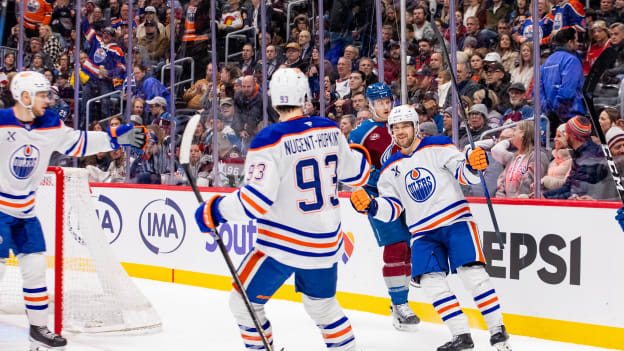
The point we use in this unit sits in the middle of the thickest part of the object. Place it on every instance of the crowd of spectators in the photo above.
(494, 75)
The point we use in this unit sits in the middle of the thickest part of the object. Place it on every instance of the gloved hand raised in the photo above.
(128, 134)
(476, 160)
(208, 216)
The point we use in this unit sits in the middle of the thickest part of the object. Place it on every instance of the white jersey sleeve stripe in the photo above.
(258, 194)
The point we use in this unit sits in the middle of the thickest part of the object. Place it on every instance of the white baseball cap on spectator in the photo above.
(150, 9)
(157, 100)
(493, 57)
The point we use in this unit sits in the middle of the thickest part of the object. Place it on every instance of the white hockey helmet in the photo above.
(30, 82)
(289, 87)
(403, 113)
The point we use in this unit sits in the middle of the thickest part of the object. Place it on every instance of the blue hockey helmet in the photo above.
(378, 91)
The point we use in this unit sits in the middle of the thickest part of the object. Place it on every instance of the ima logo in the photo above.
(99, 56)
(420, 184)
(110, 217)
(348, 246)
(23, 161)
(162, 226)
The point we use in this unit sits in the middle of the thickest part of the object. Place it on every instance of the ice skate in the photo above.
(500, 340)
(42, 339)
(403, 318)
(461, 342)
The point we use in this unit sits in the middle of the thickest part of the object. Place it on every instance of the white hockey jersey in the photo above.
(292, 172)
(425, 184)
(26, 152)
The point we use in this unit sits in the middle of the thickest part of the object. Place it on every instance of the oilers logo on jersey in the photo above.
(420, 184)
(23, 161)
(99, 55)
(32, 6)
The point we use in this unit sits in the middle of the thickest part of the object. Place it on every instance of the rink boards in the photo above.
(558, 277)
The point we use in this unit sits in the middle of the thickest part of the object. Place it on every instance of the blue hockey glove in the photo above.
(620, 217)
(127, 134)
(208, 216)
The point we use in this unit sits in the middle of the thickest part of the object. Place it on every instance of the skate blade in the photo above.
(503, 346)
(38, 346)
(405, 327)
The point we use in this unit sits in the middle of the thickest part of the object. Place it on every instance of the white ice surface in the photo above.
(199, 319)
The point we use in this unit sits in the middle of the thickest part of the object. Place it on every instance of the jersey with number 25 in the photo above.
(292, 173)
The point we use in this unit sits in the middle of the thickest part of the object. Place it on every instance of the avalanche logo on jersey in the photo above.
(23, 161)
(420, 184)
(99, 56)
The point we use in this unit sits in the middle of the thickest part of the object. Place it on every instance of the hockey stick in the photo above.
(185, 153)
(602, 63)
(486, 194)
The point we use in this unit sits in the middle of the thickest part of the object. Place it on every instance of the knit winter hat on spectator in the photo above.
(150, 9)
(428, 128)
(614, 136)
(579, 126)
(479, 108)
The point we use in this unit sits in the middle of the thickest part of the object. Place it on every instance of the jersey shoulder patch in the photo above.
(396, 157)
(437, 140)
(272, 134)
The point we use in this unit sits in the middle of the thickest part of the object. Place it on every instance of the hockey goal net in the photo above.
(89, 290)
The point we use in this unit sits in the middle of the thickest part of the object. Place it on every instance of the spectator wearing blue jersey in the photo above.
(562, 79)
(147, 87)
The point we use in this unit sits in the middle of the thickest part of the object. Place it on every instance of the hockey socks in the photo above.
(397, 271)
(33, 267)
(478, 282)
(331, 321)
(445, 302)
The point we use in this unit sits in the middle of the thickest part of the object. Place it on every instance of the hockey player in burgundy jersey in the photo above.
(422, 181)
(393, 236)
(30, 134)
(293, 168)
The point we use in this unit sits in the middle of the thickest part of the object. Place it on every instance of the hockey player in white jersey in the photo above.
(293, 168)
(30, 134)
(423, 180)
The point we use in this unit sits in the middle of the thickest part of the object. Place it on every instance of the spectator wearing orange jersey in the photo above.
(36, 13)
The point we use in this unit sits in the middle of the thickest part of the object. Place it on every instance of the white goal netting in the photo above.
(98, 296)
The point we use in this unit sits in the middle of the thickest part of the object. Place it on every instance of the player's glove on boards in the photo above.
(620, 217)
(476, 160)
(127, 134)
(363, 203)
(208, 216)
